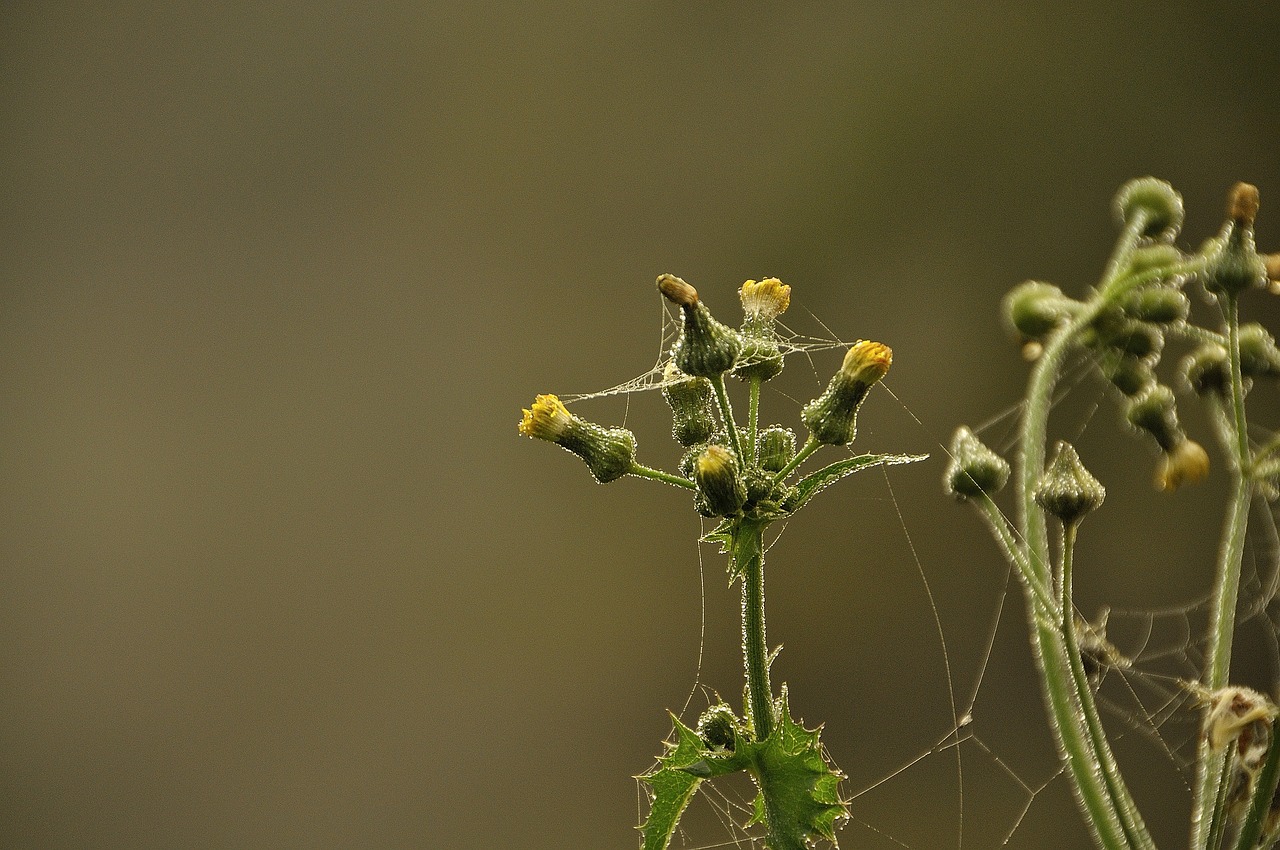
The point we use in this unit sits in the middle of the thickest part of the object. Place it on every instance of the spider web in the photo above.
(967, 782)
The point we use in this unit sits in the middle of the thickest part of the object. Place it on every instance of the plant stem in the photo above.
(642, 471)
(1130, 819)
(1206, 812)
(753, 419)
(726, 416)
(748, 553)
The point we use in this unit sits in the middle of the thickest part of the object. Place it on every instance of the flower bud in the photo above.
(974, 469)
(705, 348)
(1127, 373)
(1155, 411)
(716, 727)
(719, 482)
(1232, 261)
(1159, 206)
(1067, 490)
(1188, 463)
(691, 402)
(608, 452)
(1207, 370)
(1154, 256)
(1259, 357)
(1161, 305)
(1033, 309)
(760, 358)
(762, 303)
(832, 417)
(775, 447)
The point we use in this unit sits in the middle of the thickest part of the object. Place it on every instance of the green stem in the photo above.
(1015, 554)
(642, 471)
(801, 456)
(1206, 812)
(748, 554)
(726, 416)
(753, 419)
(1130, 819)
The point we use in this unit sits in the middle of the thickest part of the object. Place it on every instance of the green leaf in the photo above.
(679, 773)
(809, 485)
(799, 789)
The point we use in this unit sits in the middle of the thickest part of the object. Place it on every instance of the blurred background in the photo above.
(276, 279)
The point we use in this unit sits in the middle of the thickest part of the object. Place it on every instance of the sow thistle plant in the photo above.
(1121, 327)
(745, 476)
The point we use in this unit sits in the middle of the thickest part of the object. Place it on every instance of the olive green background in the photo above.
(275, 568)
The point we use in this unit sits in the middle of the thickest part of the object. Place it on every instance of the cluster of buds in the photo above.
(729, 476)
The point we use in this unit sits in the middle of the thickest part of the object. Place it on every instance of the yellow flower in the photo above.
(548, 419)
(1188, 463)
(766, 299)
(867, 361)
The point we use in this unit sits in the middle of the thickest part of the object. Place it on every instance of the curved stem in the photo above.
(801, 456)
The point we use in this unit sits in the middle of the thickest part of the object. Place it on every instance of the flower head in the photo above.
(609, 453)
(832, 416)
(766, 299)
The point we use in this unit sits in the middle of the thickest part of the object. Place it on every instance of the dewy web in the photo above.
(969, 763)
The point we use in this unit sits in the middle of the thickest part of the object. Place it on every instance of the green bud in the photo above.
(609, 453)
(832, 418)
(719, 482)
(716, 727)
(1232, 261)
(760, 358)
(974, 469)
(1033, 309)
(692, 406)
(1161, 305)
(1067, 490)
(1208, 370)
(705, 348)
(1154, 256)
(775, 447)
(1155, 411)
(1156, 202)
(1259, 357)
(1127, 373)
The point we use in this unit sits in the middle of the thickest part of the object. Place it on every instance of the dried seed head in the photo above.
(1243, 203)
(974, 469)
(1067, 490)
(1231, 711)
(677, 291)
(609, 453)
(832, 417)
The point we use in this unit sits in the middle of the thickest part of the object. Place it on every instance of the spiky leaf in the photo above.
(799, 796)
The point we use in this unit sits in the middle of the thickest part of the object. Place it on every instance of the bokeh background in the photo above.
(276, 279)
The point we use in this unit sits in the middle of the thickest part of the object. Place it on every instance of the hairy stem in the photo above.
(1130, 819)
(642, 471)
(726, 417)
(753, 419)
(1206, 812)
(748, 554)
